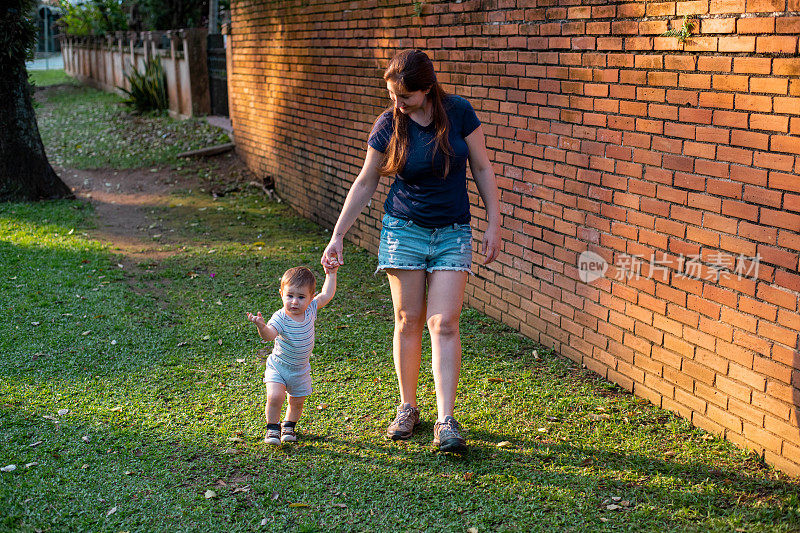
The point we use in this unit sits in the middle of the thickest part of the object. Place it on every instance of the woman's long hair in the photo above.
(412, 70)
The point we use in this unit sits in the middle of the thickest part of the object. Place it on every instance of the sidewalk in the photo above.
(53, 62)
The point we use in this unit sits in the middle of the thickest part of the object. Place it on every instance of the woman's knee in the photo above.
(408, 322)
(443, 325)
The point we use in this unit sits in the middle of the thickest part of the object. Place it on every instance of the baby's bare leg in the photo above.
(276, 392)
(295, 408)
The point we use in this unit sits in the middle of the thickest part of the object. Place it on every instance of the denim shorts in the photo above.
(408, 246)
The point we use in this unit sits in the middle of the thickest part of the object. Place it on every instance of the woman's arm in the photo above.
(483, 173)
(360, 193)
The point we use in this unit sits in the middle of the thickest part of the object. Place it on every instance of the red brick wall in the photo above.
(672, 161)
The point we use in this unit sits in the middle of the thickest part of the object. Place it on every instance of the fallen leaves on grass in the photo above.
(8, 468)
(210, 494)
(298, 504)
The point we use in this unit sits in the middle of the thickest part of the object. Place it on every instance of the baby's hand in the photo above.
(331, 267)
(257, 319)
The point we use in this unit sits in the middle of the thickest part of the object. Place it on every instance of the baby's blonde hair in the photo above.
(299, 277)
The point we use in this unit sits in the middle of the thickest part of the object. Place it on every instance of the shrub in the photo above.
(148, 89)
(93, 17)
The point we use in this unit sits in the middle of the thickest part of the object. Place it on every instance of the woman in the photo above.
(424, 141)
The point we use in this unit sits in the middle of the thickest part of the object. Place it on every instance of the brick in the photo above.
(721, 25)
(752, 65)
(752, 102)
(780, 297)
(733, 389)
(769, 85)
(702, 44)
(765, 439)
(746, 412)
(781, 428)
(786, 66)
(777, 408)
(748, 139)
(778, 257)
(715, 64)
(786, 105)
(719, 100)
(776, 44)
(736, 43)
(757, 25)
(785, 336)
(734, 83)
(660, 9)
(790, 467)
(712, 395)
(769, 123)
(788, 182)
(787, 25)
(785, 143)
(735, 155)
(751, 378)
(727, 6)
(765, 6)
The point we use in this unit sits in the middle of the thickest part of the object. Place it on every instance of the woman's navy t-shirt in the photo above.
(419, 192)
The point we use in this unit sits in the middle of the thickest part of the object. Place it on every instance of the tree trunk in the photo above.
(25, 173)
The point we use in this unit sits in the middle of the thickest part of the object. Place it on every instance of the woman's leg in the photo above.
(408, 298)
(445, 298)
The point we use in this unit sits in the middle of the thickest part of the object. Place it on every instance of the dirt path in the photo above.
(123, 200)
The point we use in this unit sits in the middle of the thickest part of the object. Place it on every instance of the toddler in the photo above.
(288, 371)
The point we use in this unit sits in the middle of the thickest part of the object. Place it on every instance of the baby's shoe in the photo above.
(273, 434)
(287, 432)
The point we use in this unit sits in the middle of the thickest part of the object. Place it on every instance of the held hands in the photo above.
(330, 268)
(333, 256)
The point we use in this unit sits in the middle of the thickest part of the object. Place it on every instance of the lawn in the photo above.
(46, 78)
(131, 395)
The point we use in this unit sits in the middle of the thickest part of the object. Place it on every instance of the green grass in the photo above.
(161, 374)
(46, 78)
(88, 129)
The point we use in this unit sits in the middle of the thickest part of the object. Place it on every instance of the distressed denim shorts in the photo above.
(408, 246)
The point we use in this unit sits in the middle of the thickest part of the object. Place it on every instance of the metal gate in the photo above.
(217, 74)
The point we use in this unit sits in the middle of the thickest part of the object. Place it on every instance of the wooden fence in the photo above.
(105, 62)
